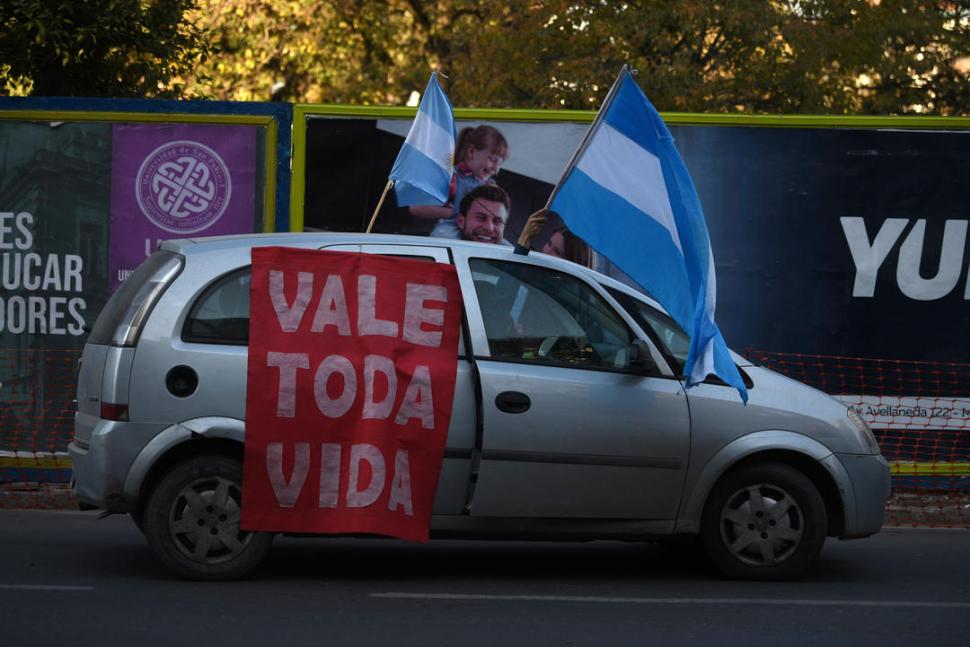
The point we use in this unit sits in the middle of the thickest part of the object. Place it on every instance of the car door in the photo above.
(456, 468)
(570, 430)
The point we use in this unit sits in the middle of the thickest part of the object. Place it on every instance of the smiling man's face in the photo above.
(484, 222)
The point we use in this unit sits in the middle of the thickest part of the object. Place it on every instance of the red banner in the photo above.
(352, 362)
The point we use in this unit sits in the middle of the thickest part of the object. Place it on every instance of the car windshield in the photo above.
(664, 331)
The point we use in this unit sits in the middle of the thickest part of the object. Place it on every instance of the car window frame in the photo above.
(204, 294)
(482, 348)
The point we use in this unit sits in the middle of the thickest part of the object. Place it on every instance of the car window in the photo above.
(536, 314)
(221, 314)
(673, 342)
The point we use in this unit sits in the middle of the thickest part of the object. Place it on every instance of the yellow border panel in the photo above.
(154, 117)
(902, 468)
(267, 121)
(298, 165)
(679, 118)
(467, 114)
(48, 462)
(269, 182)
(818, 121)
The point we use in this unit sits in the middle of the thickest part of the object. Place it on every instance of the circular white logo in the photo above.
(183, 187)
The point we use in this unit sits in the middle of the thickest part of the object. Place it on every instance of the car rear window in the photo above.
(221, 313)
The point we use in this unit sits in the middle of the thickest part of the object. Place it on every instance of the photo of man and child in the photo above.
(487, 199)
(478, 208)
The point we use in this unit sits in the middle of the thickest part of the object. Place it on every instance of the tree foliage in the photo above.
(754, 56)
(796, 56)
(101, 48)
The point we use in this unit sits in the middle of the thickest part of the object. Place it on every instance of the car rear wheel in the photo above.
(764, 521)
(192, 521)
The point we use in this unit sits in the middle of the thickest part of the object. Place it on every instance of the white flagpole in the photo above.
(589, 135)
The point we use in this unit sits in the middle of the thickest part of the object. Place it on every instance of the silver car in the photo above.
(570, 424)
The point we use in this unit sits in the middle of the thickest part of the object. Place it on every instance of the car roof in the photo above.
(315, 240)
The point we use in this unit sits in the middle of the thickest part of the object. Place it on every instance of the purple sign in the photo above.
(176, 181)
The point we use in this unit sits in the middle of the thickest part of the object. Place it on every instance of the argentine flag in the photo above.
(422, 170)
(628, 194)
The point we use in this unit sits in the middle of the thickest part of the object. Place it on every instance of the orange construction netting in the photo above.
(919, 412)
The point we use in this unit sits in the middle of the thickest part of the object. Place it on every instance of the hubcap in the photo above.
(204, 521)
(761, 525)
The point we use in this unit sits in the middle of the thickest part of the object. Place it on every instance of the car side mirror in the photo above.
(640, 357)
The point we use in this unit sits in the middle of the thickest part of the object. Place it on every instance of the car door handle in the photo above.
(513, 402)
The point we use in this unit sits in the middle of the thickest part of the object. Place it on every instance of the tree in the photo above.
(752, 56)
(749, 56)
(337, 51)
(100, 48)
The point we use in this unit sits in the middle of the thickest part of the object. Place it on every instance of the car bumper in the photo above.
(101, 456)
(90, 480)
(865, 505)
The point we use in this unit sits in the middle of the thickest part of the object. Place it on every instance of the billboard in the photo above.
(828, 241)
(175, 181)
(82, 202)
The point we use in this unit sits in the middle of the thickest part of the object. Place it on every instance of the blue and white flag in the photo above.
(423, 168)
(628, 194)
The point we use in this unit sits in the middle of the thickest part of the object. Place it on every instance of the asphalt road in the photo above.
(67, 578)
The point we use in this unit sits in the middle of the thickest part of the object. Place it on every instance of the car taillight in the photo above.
(129, 328)
(111, 411)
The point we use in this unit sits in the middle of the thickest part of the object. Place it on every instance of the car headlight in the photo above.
(866, 437)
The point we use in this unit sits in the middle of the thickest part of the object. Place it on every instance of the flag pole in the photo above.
(380, 203)
(538, 219)
(589, 135)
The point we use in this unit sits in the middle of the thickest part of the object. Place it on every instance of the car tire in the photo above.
(764, 521)
(192, 519)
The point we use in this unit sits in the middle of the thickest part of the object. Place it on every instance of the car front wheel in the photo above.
(192, 521)
(764, 521)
